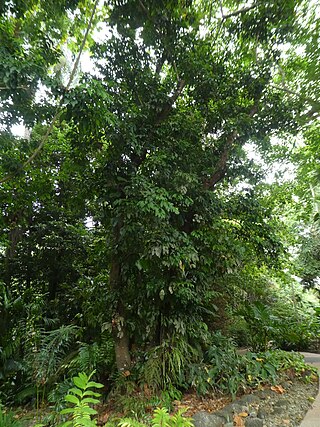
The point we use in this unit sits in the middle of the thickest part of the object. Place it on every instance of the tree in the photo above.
(157, 134)
(182, 89)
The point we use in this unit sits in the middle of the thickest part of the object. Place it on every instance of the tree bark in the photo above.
(221, 166)
(119, 328)
(121, 345)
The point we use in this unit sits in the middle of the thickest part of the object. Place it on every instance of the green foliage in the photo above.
(225, 370)
(81, 397)
(95, 356)
(133, 396)
(221, 370)
(144, 211)
(167, 365)
(284, 317)
(7, 419)
(284, 362)
(48, 358)
(130, 422)
(262, 324)
(161, 418)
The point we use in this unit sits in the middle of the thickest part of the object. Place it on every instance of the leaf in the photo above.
(80, 383)
(91, 393)
(72, 399)
(94, 384)
(243, 414)
(238, 421)
(84, 377)
(76, 391)
(278, 389)
(67, 411)
(90, 400)
(161, 418)
(86, 422)
(107, 326)
(88, 410)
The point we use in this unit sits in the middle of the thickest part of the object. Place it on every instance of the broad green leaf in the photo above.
(76, 391)
(84, 377)
(67, 411)
(80, 383)
(90, 400)
(91, 393)
(88, 410)
(73, 399)
(94, 384)
(86, 422)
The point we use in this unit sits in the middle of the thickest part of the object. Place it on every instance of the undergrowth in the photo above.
(221, 370)
(7, 419)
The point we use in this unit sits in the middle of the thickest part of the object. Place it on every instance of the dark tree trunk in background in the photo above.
(119, 328)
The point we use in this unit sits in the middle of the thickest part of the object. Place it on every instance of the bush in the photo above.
(279, 324)
(82, 398)
(161, 418)
(167, 365)
(226, 371)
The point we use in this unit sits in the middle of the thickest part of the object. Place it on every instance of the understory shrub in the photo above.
(161, 418)
(82, 398)
(282, 325)
(7, 419)
(167, 365)
(226, 371)
(298, 331)
(222, 369)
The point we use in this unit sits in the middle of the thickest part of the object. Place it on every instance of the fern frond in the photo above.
(93, 356)
(54, 346)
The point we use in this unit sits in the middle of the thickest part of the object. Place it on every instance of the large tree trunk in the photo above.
(119, 328)
(14, 237)
(121, 345)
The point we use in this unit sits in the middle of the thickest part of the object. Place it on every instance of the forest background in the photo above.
(140, 237)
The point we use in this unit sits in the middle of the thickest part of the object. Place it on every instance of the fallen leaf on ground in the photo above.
(278, 389)
(238, 421)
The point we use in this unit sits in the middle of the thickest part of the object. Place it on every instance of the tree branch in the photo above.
(238, 12)
(160, 63)
(138, 159)
(168, 106)
(143, 7)
(221, 8)
(10, 88)
(292, 92)
(221, 166)
(59, 110)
